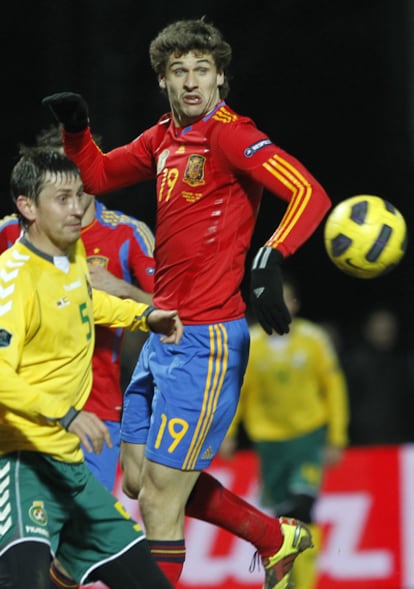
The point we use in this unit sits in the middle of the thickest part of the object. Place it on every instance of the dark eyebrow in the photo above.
(198, 61)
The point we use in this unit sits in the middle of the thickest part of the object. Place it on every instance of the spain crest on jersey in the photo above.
(194, 172)
(96, 260)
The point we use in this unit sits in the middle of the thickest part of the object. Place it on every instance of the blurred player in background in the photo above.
(211, 166)
(51, 502)
(294, 408)
(119, 251)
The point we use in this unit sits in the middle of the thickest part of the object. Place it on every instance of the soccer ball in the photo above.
(365, 236)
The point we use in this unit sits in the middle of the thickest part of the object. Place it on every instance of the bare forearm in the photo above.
(104, 280)
(129, 291)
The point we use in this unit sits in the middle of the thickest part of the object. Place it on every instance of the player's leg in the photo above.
(162, 501)
(195, 401)
(104, 467)
(277, 542)
(101, 542)
(131, 460)
(291, 472)
(135, 424)
(306, 455)
(24, 565)
(136, 419)
(38, 508)
(183, 417)
(134, 569)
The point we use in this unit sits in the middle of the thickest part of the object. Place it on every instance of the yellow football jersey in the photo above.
(47, 315)
(293, 385)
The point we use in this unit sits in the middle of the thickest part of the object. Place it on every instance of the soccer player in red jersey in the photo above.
(211, 166)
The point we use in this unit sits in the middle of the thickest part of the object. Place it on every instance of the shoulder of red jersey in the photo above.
(9, 221)
(113, 217)
(10, 231)
(238, 138)
(227, 117)
(237, 129)
(113, 220)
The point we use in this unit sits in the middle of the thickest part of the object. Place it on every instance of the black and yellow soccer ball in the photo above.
(365, 236)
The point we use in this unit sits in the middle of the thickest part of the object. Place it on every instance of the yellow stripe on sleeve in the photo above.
(301, 190)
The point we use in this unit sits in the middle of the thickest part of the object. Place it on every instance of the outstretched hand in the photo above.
(168, 323)
(266, 291)
(69, 109)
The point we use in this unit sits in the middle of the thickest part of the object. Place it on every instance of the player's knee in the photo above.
(131, 480)
(131, 465)
(302, 508)
(130, 486)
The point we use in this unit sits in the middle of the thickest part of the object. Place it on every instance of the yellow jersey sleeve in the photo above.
(115, 312)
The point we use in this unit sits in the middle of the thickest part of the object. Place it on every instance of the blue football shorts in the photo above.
(182, 398)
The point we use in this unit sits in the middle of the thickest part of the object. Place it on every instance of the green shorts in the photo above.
(64, 506)
(291, 467)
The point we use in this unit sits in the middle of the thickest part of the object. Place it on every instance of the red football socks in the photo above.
(212, 503)
(170, 556)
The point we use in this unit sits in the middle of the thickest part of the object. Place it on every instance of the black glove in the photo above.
(70, 109)
(266, 291)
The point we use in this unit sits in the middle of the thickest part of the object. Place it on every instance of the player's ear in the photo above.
(220, 79)
(161, 82)
(26, 207)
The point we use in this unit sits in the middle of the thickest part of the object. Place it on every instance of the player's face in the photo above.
(55, 221)
(192, 83)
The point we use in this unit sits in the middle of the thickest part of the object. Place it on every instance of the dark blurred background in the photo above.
(331, 82)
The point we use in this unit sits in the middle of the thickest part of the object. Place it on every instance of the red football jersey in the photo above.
(210, 179)
(124, 246)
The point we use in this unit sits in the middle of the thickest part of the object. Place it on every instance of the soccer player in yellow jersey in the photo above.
(50, 502)
(294, 407)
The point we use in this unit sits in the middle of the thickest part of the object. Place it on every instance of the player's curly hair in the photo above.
(184, 36)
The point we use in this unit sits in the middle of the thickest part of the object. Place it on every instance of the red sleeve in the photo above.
(9, 231)
(142, 264)
(106, 172)
(251, 152)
